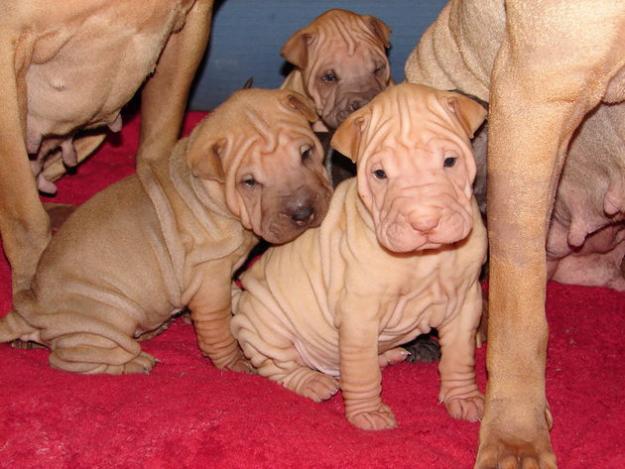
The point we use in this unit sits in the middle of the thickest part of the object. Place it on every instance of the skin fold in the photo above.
(399, 252)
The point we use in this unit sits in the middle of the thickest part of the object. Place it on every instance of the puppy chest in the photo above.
(423, 303)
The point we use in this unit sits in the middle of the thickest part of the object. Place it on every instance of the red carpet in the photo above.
(188, 414)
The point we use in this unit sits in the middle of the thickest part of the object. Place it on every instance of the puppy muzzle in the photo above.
(410, 225)
(349, 102)
(300, 211)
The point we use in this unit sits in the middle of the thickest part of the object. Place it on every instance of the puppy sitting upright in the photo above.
(340, 63)
(399, 252)
(172, 235)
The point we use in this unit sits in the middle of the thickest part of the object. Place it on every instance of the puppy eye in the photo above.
(329, 76)
(379, 174)
(306, 153)
(379, 69)
(449, 161)
(249, 182)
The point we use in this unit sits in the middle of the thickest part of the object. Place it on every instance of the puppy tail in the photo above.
(13, 326)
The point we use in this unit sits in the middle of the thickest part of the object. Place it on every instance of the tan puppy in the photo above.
(398, 253)
(340, 62)
(72, 65)
(172, 235)
(544, 65)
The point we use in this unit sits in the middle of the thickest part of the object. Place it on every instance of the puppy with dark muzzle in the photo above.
(172, 235)
(341, 64)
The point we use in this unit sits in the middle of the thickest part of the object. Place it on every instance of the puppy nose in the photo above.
(357, 103)
(302, 215)
(425, 224)
(300, 209)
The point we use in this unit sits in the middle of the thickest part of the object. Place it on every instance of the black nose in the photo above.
(357, 104)
(353, 104)
(302, 214)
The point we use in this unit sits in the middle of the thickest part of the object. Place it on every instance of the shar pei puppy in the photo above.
(172, 235)
(340, 63)
(399, 252)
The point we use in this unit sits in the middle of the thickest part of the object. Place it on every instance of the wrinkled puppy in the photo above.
(340, 62)
(172, 235)
(398, 253)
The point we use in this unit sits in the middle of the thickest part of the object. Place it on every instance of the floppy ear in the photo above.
(347, 137)
(379, 29)
(204, 157)
(469, 112)
(295, 50)
(301, 104)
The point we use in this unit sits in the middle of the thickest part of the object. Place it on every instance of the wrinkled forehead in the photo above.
(411, 122)
(409, 125)
(348, 34)
(270, 128)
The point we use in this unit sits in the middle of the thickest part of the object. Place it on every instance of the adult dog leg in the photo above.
(536, 105)
(24, 225)
(164, 97)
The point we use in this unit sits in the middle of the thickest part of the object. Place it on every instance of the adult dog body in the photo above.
(67, 66)
(544, 66)
(172, 236)
(398, 253)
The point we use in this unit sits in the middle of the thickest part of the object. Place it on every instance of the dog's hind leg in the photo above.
(90, 353)
(300, 379)
(288, 370)
(265, 341)
(14, 326)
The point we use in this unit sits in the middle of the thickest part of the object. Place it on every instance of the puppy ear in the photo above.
(295, 50)
(205, 158)
(469, 112)
(347, 137)
(380, 29)
(301, 104)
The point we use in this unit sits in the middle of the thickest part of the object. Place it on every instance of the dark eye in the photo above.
(449, 161)
(379, 69)
(249, 181)
(306, 153)
(329, 77)
(379, 174)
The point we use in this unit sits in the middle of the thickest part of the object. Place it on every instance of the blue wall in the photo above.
(247, 37)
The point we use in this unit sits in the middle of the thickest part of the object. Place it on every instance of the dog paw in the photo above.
(392, 356)
(510, 442)
(381, 418)
(468, 408)
(513, 453)
(318, 386)
(142, 363)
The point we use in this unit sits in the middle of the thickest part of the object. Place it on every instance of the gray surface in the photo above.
(248, 34)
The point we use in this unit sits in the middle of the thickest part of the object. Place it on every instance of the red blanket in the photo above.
(188, 414)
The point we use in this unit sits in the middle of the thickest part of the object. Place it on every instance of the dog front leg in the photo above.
(459, 391)
(164, 97)
(537, 101)
(361, 378)
(24, 225)
(211, 312)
